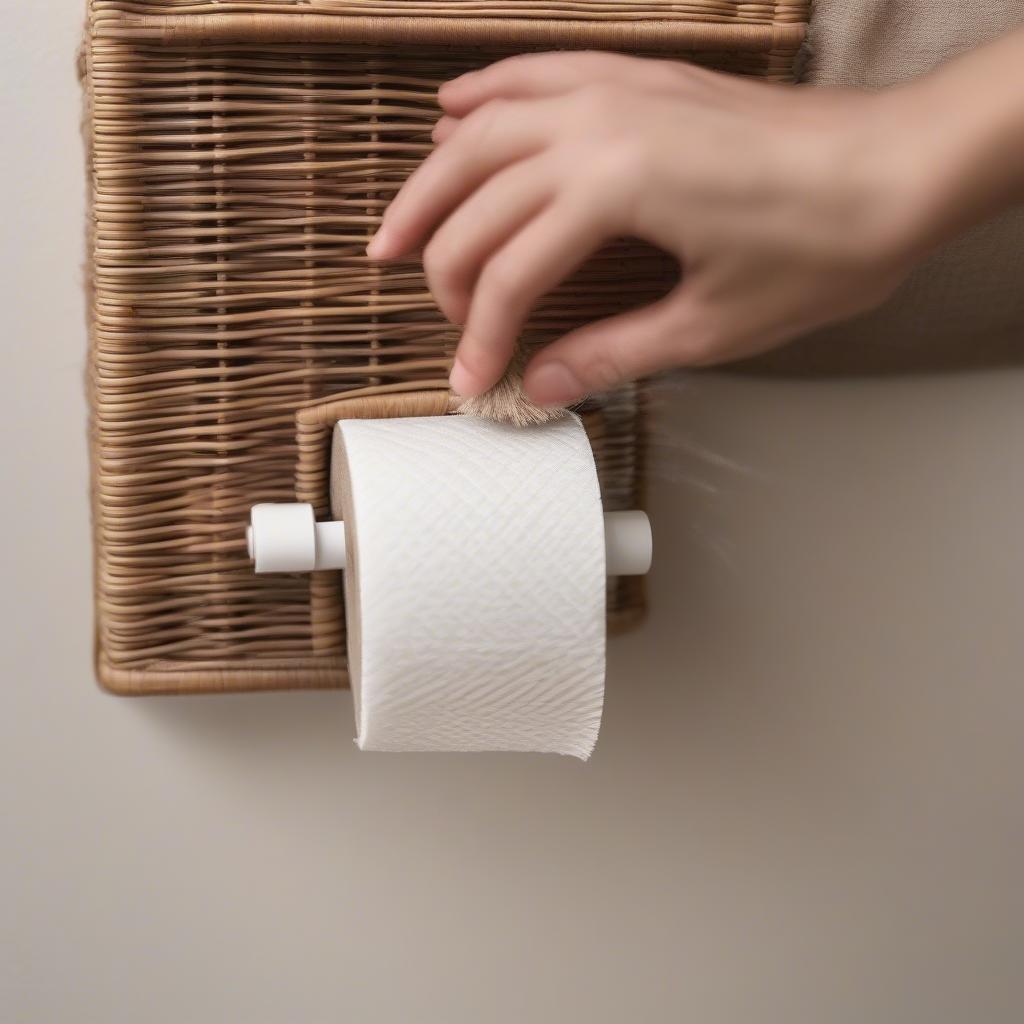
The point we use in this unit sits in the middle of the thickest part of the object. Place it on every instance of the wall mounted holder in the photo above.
(238, 163)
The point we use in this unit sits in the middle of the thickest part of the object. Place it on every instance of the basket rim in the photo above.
(653, 34)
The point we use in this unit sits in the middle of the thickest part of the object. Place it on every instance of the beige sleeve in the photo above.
(965, 306)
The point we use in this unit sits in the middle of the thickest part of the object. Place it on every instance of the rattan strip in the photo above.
(237, 676)
(734, 11)
(630, 35)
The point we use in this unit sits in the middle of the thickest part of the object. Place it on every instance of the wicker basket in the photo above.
(240, 156)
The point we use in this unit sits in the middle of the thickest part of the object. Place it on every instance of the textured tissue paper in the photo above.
(475, 587)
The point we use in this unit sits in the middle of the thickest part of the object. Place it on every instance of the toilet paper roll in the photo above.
(475, 587)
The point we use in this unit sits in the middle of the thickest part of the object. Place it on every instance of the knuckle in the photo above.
(436, 258)
(603, 370)
(596, 101)
(474, 359)
(485, 118)
(502, 281)
(520, 61)
(617, 166)
(607, 149)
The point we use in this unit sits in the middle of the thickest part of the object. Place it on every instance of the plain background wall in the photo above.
(805, 805)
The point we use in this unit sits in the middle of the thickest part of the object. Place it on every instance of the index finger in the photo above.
(535, 75)
(544, 253)
(481, 147)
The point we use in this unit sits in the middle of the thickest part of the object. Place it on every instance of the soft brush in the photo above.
(507, 402)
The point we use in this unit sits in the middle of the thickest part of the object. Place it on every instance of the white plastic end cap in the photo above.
(287, 538)
(628, 543)
(283, 537)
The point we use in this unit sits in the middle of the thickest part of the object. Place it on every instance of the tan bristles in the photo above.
(507, 402)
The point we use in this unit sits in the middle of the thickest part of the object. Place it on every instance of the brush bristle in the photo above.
(506, 402)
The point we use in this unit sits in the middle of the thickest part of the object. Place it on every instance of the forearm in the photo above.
(965, 132)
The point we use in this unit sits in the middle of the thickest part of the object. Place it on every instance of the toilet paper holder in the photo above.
(287, 537)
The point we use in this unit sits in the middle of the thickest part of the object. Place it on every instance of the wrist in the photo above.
(958, 143)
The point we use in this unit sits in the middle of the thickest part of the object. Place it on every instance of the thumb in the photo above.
(607, 353)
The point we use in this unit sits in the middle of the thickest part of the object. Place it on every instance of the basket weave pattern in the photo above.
(240, 156)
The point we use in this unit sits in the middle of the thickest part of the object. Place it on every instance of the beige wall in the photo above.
(806, 806)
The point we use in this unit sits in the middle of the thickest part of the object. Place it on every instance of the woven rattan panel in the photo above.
(237, 174)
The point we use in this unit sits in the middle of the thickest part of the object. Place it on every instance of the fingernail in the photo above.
(554, 384)
(460, 380)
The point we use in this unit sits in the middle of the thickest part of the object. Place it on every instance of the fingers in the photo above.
(485, 142)
(535, 75)
(538, 258)
(444, 129)
(481, 226)
(605, 354)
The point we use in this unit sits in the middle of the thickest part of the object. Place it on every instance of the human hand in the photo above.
(786, 207)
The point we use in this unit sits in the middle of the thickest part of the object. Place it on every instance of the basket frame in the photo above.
(762, 43)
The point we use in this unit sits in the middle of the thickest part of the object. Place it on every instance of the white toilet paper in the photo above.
(475, 586)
